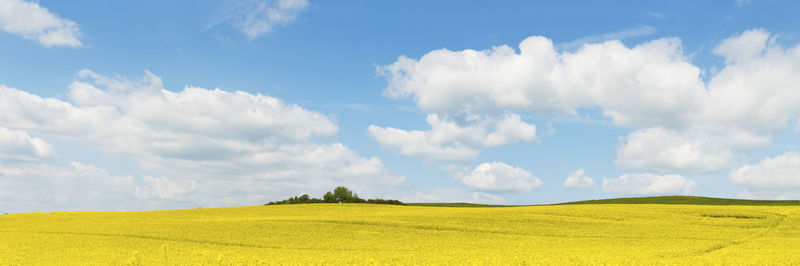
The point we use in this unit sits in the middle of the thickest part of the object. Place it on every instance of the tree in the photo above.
(339, 195)
(342, 194)
(329, 198)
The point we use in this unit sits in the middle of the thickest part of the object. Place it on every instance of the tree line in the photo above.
(340, 194)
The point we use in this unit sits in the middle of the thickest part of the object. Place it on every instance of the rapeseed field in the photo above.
(384, 234)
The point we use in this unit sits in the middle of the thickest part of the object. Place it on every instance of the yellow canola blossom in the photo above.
(362, 234)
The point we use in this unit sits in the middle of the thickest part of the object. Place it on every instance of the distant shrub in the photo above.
(339, 195)
(385, 201)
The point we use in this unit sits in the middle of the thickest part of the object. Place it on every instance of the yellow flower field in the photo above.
(385, 234)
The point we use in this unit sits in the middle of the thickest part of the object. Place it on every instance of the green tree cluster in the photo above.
(340, 194)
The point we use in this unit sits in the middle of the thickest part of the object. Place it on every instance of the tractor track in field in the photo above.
(196, 241)
(439, 228)
(436, 228)
(735, 242)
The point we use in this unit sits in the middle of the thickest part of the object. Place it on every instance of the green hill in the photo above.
(688, 200)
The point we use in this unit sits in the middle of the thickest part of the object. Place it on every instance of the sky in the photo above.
(145, 105)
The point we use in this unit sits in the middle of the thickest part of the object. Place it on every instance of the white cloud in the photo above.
(258, 17)
(417, 143)
(687, 151)
(161, 187)
(39, 186)
(770, 194)
(578, 179)
(777, 176)
(796, 125)
(746, 46)
(455, 139)
(448, 195)
(32, 179)
(450, 81)
(231, 148)
(19, 146)
(638, 31)
(481, 83)
(511, 129)
(35, 22)
(651, 88)
(649, 84)
(649, 184)
(752, 98)
(498, 176)
(757, 91)
(741, 3)
(655, 15)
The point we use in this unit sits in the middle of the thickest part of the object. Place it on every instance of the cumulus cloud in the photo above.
(748, 101)
(36, 23)
(757, 91)
(687, 151)
(255, 18)
(226, 148)
(680, 123)
(649, 84)
(32, 178)
(500, 177)
(511, 129)
(455, 138)
(41, 186)
(775, 177)
(19, 146)
(416, 142)
(578, 179)
(453, 83)
(648, 184)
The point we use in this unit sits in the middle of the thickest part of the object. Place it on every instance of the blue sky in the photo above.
(154, 105)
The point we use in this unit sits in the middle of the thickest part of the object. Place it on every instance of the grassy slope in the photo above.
(690, 200)
(686, 200)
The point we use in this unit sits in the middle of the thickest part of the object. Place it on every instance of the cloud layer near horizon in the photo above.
(211, 147)
(773, 178)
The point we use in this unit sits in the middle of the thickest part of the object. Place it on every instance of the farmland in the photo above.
(369, 233)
